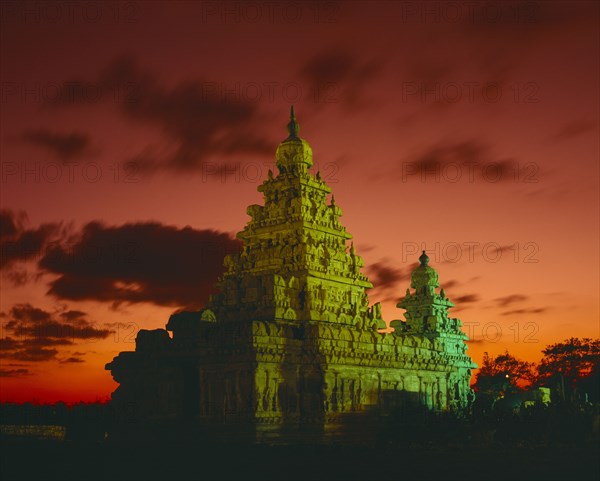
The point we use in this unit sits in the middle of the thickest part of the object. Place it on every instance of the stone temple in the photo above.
(290, 344)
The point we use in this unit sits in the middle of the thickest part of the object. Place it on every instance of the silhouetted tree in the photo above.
(504, 371)
(567, 365)
(502, 374)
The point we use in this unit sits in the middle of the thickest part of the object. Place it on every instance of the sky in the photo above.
(133, 136)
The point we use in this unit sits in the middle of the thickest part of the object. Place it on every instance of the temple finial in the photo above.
(293, 127)
(424, 259)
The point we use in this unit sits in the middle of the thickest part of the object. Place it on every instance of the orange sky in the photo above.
(443, 126)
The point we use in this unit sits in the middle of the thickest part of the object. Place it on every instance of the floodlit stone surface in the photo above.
(290, 340)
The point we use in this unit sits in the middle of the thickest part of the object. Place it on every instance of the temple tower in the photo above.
(296, 263)
(289, 346)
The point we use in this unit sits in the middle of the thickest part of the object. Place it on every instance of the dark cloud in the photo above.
(72, 316)
(48, 341)
(45, 328)
(27, 313)
(18, 243)
(427, 70)
(515, 312)
(14, 372)
(63, 146)
(8, 224)
(466, 161)
(492, 252)
(338, 76)
(454, 161)
(365, 247)
(32, 354)
(71, 360)
(385, 276)
(574, 129)
(34, 333)
(8, 344)
(466, 299)
(142, 262)
(510, 299)
(201, 122)
(450, 284)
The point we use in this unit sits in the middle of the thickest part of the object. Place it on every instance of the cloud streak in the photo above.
(199, 124)
(337, 75)
(63, 146)
(34, 334)
(451, 161)
(385, 276)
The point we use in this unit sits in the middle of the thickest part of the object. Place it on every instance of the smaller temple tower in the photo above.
(426, 310)
(427, 317)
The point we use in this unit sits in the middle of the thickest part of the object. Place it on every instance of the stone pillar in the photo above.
(443, 393)
(429, 393)
(275, 399)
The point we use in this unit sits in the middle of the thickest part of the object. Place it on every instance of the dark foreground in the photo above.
(29, 459)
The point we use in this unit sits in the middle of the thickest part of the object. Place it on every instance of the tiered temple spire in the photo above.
(427, 311)
(295, 262)
(293, 126)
